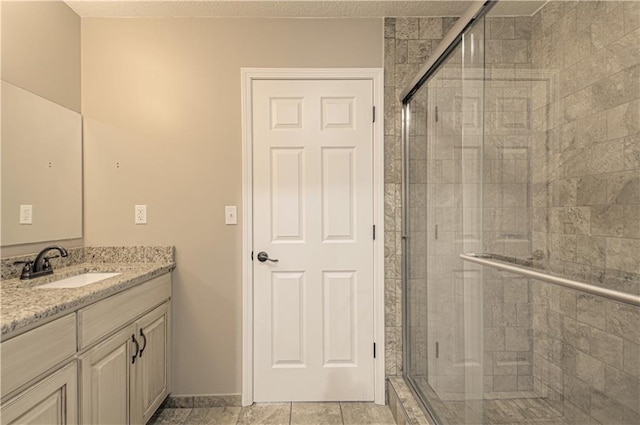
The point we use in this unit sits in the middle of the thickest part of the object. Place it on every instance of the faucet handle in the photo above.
(26, 269)
(46, 265)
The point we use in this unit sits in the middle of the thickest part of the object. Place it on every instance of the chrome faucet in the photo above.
(41, 265)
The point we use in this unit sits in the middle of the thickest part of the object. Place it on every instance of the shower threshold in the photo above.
(495, 408)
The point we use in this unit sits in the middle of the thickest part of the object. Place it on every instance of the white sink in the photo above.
(79, 280)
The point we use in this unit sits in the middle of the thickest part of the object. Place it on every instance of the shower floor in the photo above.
(520, 408)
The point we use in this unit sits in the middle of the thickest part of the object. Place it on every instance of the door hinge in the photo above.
(436, 114)
(437, 349)
(251, 255)
(374, 232)
(374, 350)
(374, 114)
(436, 232)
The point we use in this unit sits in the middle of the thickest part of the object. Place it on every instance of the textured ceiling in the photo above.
(288, 8)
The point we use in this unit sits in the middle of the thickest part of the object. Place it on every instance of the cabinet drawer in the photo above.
(99, 319)
(28, 355)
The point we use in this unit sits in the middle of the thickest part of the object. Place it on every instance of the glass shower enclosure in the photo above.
(508, 158)
(443, 215)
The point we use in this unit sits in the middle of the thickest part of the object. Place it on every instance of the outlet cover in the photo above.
(26, 214)
(141, 214)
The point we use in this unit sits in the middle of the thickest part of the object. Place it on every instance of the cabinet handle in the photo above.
(144, 338)
(133, 339)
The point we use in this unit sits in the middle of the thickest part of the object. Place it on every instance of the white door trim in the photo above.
(376, 76)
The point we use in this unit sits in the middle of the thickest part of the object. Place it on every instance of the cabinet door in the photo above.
(154, 361)
(52, 401)
(105, 377)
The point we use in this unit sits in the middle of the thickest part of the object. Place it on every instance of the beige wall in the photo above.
(41, 53)
(161, 97)
(41, 50)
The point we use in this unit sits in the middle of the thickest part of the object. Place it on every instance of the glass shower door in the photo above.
(443, 137)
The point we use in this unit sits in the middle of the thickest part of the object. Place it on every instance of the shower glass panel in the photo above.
(522, 145)
(507, 298)
(443, 179)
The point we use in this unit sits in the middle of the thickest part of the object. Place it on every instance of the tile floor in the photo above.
(346, 413)
(521, 411)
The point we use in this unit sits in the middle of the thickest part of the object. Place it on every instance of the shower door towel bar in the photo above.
(567, 283)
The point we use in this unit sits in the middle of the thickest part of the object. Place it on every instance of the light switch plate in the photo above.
(231, 215)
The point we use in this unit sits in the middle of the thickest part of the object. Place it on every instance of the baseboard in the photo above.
(195, 401)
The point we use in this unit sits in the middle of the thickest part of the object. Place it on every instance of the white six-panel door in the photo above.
(313, 212)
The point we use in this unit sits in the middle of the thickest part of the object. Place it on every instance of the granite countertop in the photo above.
(23, 305)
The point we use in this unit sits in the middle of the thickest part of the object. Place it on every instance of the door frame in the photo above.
(248, 76)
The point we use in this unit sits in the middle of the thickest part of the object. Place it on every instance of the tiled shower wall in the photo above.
(585, 185)
(585, 158)
(586, 355)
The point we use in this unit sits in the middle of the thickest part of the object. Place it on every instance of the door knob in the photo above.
(263, 256)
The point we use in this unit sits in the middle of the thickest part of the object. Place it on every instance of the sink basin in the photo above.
(79, 280)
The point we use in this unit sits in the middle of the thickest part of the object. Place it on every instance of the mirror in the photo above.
(41, 149)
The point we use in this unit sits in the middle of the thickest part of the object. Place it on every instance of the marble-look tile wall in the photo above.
(585, 198)
(508, 334)
(585, 162)
(587, 355)
(407, 45)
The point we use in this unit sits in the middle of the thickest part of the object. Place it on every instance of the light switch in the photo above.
(231, 215)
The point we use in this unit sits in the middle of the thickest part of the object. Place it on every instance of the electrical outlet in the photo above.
(141, 214)
(26, 214)
(230, 215)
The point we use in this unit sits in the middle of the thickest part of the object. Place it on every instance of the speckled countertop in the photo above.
(23, 305)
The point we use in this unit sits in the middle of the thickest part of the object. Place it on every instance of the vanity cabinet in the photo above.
(125, 377)
(106, 363)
